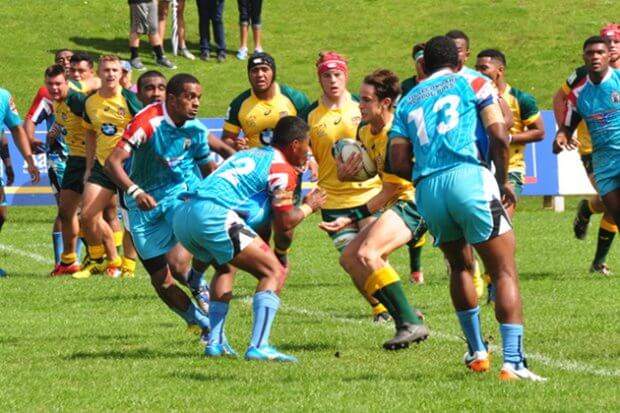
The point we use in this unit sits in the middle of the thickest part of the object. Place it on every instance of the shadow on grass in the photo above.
(408, 377)
(204, 376)
(136, 354)
(305, 347)
(540, 276)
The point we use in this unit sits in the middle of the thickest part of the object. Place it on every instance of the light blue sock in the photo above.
(470, 323)
(195, 279)
(78, 247)
(512, 342)
(57, 241)
(265, 305)
(218, 311)
(193, 315)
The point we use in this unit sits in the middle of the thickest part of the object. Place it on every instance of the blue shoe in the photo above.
(268, 353)
(201, 295)
(242, 53)
(2, 273)
(219, 350)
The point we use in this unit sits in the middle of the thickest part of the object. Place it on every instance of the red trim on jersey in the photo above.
(283, 192)
(42, 102)
(477, 83)
(140, 129)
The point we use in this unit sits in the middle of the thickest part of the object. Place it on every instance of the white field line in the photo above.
(566, 365)
(32, 255)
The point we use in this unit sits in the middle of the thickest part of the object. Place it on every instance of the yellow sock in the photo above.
(608, 226)
(68, 259)
(116, 262)
(128, 264)
(96, 252)
(380, 278)
(118, 238)
(378, 309)
(421, 241)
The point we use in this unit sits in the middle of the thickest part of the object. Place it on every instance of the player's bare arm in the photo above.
(288, 219)
(399, 149)
(114, 169)
(19, 136)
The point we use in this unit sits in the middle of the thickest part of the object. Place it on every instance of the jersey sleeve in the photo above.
(282, 184)
(529, 109)
(133, 103)
(484, 91)
(299, 99)
(137, 132)
(572, 116)
(76, 101)
(86, 122)
(11, 116)
(232, 123)
(202, 150)
(41, 108)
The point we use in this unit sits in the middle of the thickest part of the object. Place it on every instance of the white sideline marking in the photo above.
(31, 255)
(567, 365)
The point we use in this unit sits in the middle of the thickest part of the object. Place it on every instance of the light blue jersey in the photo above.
(440, 117)
(164, 155)
(599, 106)
(9, 116)
(164, 158)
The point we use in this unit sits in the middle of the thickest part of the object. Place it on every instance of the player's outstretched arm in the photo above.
(286, 219)
(21, 141)
(114, 169)
(399, 151)
(220, 147)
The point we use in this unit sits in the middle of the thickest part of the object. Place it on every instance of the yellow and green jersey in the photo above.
(107, 117)
(326, 127)
(376, 146)
(524, 112)
(68, 113)
(257, 118)
(576, 79)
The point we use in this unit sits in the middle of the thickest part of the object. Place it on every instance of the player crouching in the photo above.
(208, 226)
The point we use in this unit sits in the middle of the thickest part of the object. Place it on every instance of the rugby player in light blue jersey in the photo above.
(597, 102)
(166, 143)
(211, 229)
(459, 198)
(9, 117)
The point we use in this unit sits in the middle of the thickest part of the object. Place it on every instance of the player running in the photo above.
(587, 207)
(365, 258)
(458, 197)
(597, 102)
(336, 115)
(106, 113)
(208, 226)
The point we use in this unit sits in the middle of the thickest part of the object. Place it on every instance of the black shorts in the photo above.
(73, 179)
(99, 177)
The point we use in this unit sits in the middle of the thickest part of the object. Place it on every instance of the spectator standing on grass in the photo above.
(249, 12)
(162, 15)
(212, 12)
(143, 20)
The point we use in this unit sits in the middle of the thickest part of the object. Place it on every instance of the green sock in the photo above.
(605, 238)
(394, 295)
(415, 254)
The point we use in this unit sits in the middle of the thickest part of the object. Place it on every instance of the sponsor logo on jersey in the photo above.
(108, 129)
(615, 97)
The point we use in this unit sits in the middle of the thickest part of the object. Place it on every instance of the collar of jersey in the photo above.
(441, 72)
(605, 78)
(168, 119)
(267, 100)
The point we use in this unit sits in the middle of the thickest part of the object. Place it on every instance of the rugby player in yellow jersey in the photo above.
(82, 71)
(608, 228)
(527, 121)
(255, 112)
(334, 116)
(365, 258)
(106, 113)
(68, 106)
(527, 125)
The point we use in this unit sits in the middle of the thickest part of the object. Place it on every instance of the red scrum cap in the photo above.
(611, 31)
(331, 60)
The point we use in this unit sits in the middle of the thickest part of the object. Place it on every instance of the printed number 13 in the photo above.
(447, 106)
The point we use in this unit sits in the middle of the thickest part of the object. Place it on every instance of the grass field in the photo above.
(105, 344)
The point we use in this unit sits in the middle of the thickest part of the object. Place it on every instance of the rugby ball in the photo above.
(344, 148)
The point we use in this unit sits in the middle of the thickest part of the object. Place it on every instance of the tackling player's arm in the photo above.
(6, 160)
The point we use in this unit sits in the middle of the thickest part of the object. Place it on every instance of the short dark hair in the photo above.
(55, 70)
(458, 34)
(440, 52)
(58, 52)
(82, 57)
(288, 129)
(493, 54)
(177, 83)
(385, 82)
(147, 75)
(595, 40)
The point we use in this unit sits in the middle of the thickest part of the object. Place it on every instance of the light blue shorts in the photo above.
(463, 202)
(606, 165)
(152, 230)
(211, 232)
